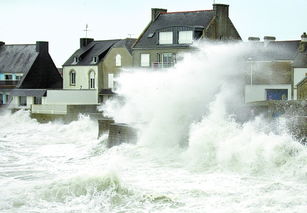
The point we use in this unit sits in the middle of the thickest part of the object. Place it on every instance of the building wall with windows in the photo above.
(81, 78)
(114, 62)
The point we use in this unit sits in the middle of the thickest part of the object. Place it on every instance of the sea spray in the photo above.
(199, 103)
(168, 101)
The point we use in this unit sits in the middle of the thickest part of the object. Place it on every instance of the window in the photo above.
(95, 59)
(37, 100)
(110, 81)
(2, 99)
(92, 80)
(118, 60)
(18, 77)
(22, 101)
(76, 60)
(185, 37)
(72, 78)
(8, 77)
(6, 100)
(145, 60)
(150, 35)
(165, 37)
(276, 94)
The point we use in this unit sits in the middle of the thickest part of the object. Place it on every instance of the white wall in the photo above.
(258, 93)
(299, 74)
(82, 77)
(71, 97)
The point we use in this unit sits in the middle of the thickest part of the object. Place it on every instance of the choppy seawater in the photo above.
(58, 167)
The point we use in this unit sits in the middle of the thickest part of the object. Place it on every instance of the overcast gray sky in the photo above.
(61, 22)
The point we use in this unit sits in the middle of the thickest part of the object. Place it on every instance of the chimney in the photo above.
(221, 10)
(304, 37)
(85, 41)
(2, 43)
(155, 12)
(253, 39)
(268, 39)
(42, 47)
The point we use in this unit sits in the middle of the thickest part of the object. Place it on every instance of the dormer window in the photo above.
(95, 59)
(166, 38)
(185, 37)
(150, 35)
(118, 60)
(76, 60)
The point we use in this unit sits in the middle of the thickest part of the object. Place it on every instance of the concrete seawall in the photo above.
(121, 133)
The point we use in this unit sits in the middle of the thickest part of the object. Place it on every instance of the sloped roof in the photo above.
(29, 92)
(94, 49)
(197, 19)
(126, 43)
(304, 80)
(17, 58)
(274, 50)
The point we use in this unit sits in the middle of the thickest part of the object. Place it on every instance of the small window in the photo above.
(165, 37)
(95, 59)
(22, 101)
(92, 80)
(76, 60)
(18, 77)
(110, 81)
(185, 37)
(276, 94)
(2, 99)
(72, 78)
(118, 60)
(37, 100)
(7, 99)
(150, 35)
(8, 77)
(145, 60)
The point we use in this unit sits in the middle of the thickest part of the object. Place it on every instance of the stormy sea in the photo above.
(196, 149)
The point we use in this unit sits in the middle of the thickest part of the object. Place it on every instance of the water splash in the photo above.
(198, 102)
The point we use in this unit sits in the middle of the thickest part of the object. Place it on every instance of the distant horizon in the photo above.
(62, 24)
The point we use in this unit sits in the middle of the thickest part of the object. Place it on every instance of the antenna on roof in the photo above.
(213, 1)
(86, 30)
(130, 35)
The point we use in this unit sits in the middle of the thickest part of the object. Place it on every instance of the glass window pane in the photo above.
(165, 37)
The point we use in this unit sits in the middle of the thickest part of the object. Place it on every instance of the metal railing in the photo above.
(161, 65)
(8, 83)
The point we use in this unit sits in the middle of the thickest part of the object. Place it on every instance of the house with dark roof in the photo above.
(271, 68)
(87, 77)
(26, 71)
(94, 64)
(170, 33)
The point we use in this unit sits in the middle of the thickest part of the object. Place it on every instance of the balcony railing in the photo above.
(8, 83)
(161, 65)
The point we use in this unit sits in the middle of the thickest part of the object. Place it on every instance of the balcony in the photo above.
(161, 65)
(9, 84)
